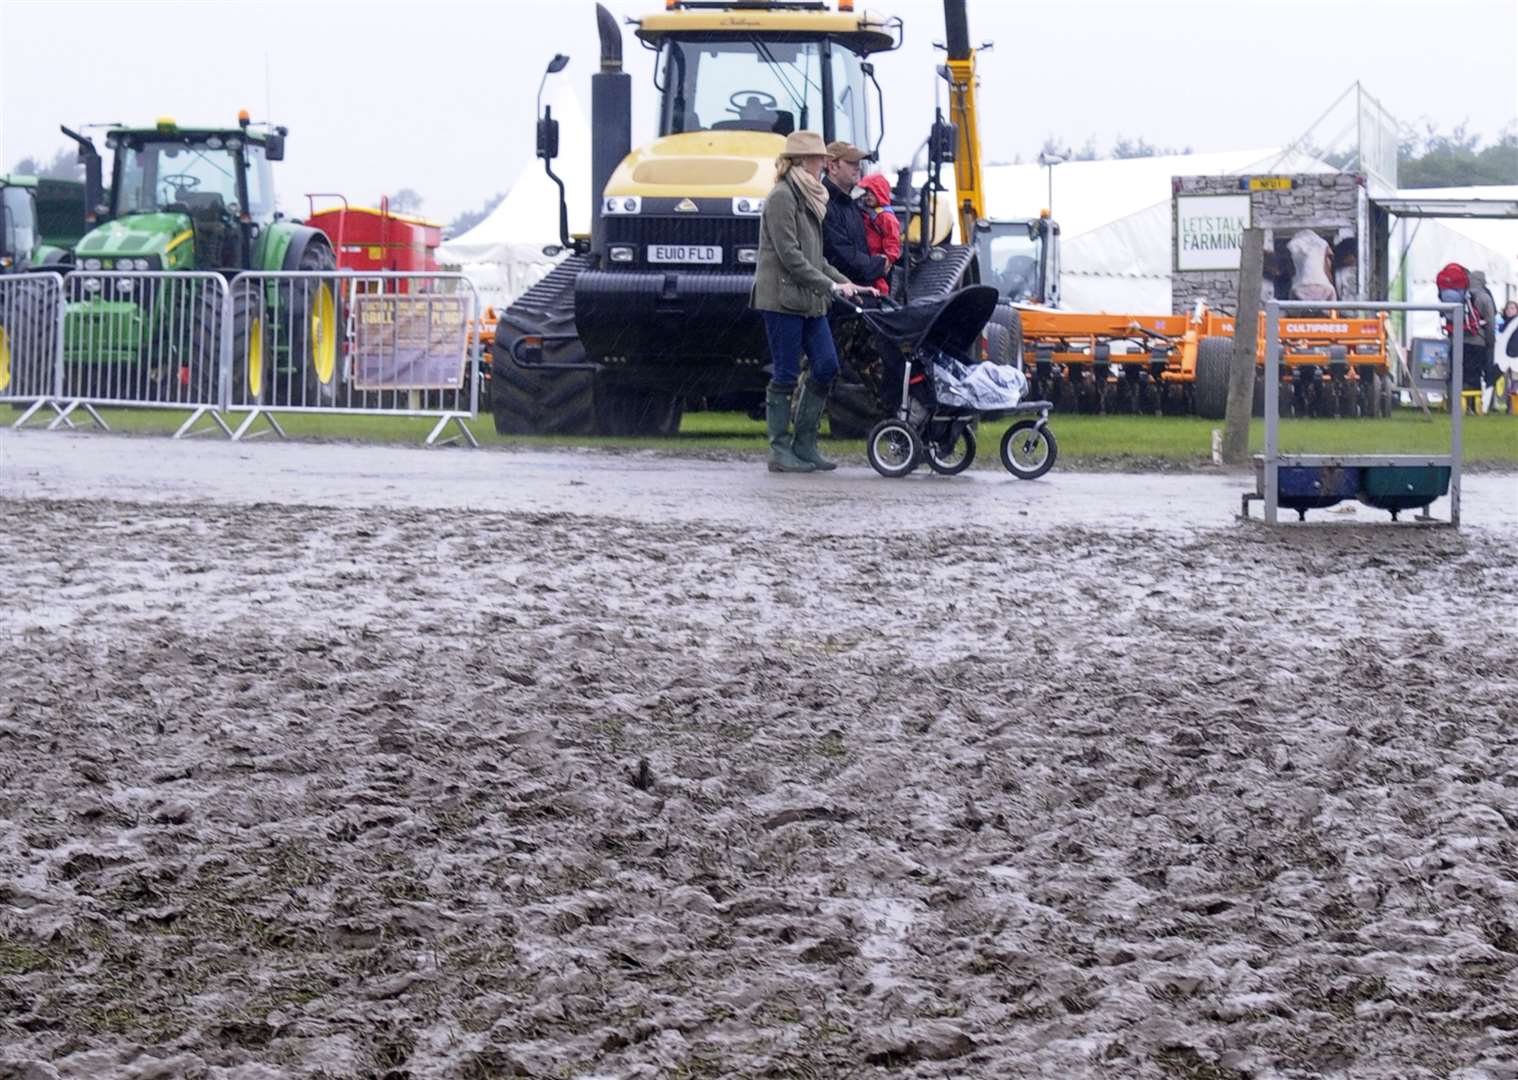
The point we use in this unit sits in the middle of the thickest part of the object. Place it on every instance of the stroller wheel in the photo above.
(954, 459)
(1027, 450)
(893, 448)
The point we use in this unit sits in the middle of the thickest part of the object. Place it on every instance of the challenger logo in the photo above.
(686, 206)
(1316, 328)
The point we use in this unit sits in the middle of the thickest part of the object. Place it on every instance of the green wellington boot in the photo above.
(777, 413)
(809, 412)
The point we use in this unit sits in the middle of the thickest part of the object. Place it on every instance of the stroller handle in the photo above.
(883, 303)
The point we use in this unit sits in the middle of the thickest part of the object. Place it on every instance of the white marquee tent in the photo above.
(503, 254)
(1114, 218)
(1115, 225)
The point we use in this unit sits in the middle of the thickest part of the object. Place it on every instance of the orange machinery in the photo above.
(1178, 364)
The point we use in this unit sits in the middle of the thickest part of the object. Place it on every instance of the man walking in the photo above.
(844, 243)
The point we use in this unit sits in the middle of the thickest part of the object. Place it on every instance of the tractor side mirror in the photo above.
(944, 141)
(548, 136)
(274, 146)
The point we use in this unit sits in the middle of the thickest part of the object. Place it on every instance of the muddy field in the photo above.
(349, 792)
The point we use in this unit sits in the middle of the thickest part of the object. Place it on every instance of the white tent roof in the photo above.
(1486, 244)
(503, 254)
(1114, 218)
(1090, 194)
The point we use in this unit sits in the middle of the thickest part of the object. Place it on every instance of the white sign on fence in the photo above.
(1209, 231)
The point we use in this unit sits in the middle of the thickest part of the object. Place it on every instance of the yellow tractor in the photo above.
(651, 310)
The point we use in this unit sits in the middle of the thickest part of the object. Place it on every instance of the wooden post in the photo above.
(1245, 341)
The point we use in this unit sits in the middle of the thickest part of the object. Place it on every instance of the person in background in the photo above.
(1270, 271)
(793, 288)
(882, 232)
(1509, 313)
(844, 243)
(1346, 261)
(1486, 311)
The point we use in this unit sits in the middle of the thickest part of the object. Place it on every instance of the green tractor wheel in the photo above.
(317, 329)
(28, 335)
(251, 374)
(203, 364)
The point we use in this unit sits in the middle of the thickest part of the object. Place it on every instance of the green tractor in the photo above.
(197, 199)
(40, 220)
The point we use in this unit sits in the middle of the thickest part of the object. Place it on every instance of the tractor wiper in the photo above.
(797, 100)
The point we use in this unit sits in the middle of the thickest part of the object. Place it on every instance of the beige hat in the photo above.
(804, 144)
(842, 151)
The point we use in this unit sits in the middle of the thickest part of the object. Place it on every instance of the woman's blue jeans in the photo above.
(791, 335)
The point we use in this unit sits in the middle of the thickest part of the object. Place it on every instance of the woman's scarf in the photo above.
(812, 192)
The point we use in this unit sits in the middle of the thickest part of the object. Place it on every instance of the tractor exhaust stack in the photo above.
(611, 119)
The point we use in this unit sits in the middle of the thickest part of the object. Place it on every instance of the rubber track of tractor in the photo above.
(548, 402)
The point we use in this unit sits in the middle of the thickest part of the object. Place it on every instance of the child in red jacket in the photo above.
(881, 229)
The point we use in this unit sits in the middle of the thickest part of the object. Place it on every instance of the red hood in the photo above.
(877, 185)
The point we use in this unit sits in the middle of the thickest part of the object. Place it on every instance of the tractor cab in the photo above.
(219, 180)
(1021, 258)
(734, 80)
(186, 198)
(18, 225)
(770, 71)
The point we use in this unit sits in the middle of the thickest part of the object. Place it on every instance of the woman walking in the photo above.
(793, 286)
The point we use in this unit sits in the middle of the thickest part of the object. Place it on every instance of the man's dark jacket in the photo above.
(843, 241)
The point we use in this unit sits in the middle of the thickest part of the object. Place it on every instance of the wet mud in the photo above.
(348, 792)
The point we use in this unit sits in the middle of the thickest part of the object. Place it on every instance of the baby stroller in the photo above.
(944, 394)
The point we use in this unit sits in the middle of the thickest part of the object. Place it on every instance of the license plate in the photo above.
(684, 253)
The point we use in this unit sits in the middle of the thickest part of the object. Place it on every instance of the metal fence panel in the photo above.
(390, 343)
(144, 338)
(31, 319)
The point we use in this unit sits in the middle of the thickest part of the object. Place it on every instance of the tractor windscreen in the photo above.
(20, 233)
(1011, 260)
(758, 84)
(198, 177)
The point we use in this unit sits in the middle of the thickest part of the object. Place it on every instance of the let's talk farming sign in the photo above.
(1210, 231)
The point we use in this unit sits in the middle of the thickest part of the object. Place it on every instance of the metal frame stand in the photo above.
(251, 419)
(184, 431)
(442, 426)
(33, 409)
(1275, 460)
(63, 416)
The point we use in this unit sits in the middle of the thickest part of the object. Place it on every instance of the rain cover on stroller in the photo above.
(984, 387)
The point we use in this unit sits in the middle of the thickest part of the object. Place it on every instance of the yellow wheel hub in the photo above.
(5, 361)
(323, 335)
(255, 359)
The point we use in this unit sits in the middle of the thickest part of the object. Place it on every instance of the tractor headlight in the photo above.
(92, 264)
(623, 204)
(746, 207)
(91, 284)
(621, 253)
(1368, 349)
(124, 286)
(748, 256)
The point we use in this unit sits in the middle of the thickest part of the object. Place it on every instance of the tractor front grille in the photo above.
(728, 233)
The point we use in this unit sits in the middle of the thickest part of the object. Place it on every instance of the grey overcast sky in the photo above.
(438, 96)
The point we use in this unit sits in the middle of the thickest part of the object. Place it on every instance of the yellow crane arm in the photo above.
(961, 69)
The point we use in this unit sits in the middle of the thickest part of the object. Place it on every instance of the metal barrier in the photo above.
(377, 343)
(143, 338)
(31, 331)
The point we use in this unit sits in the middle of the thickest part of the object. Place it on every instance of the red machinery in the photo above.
(369, 239)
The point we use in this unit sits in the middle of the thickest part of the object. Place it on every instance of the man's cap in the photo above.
(839, 150)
